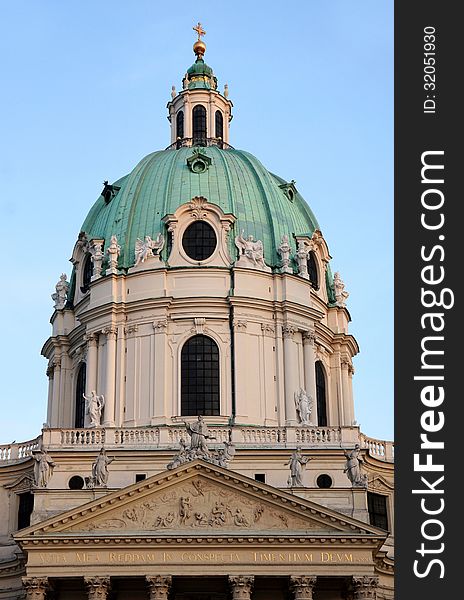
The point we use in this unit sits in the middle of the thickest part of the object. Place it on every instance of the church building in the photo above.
(201, 440)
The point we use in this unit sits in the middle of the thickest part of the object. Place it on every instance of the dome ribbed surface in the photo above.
(236, 181)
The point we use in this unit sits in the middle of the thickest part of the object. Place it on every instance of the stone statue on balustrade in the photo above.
(148, 248)
(43, 468)
(199, 434)
(100, 469)
(301, 258)
(94, 405)
(353, 467)
(251, 253)
(285, 252)
(297, 464)
(60, 296)
(113, 251)
(339, 289)
(303, 405)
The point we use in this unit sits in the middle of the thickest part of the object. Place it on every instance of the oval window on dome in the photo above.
(199, 240)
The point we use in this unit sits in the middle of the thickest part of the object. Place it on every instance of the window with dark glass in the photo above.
(312, 271)
(199, 240)
(199, 125)
(200, 377)
(321, 395)
(219, 122)
(87, 274)
(80, 401)
(25, 508)
(180, 124)
(76, 483)
(324, 481)
(377, 507)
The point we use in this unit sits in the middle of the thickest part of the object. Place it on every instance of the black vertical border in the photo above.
(417, 132)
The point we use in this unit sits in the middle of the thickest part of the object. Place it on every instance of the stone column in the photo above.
(92, 353)
(97, 587)
(302, 587)
(309, 360)
(241, 586)
(290, 373)
(158, 586)
(56, 391)
(365, 587)
(347, 401)
(36, 587)
(110, 375)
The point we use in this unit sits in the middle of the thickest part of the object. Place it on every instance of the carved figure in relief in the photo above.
(148, 248)
(252, 251)
(93, 407)
(164, 520)
(200, 519)
(43, 467)
(303, 405)
(340, 294)
(297, 463)
(353, 467)
(185, 509)
(240, 519)
(113, 251)
(100, 468)
(60, 296)
(218, 514)
(285, 250)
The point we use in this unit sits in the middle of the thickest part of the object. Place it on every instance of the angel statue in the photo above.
(148, 248)
(93, 407)
(340, 293)
(61, 295)
(303, 405)
(251, 251)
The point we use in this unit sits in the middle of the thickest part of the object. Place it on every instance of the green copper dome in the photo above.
(263, 204)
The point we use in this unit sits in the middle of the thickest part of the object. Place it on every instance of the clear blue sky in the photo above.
(84, 92)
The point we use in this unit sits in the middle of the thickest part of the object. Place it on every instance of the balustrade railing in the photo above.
(379, 449)
(18, 451)
(318, 435)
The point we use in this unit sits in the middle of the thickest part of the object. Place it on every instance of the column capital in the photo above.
(91, 338)
(36, 587)
(288, 331)
(159, 586)
(309, 337)
(160, 326)
(111, 332)
(365, 587)
(241, 586)
(97, 587)
(302, 586)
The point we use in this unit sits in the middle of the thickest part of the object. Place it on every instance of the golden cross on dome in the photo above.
(199, 29)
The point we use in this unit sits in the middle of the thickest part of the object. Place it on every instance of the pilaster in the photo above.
(309, 339)
(365, 587)
(241, 586)
(97, 587)
(302, 587)
(290, 373)
(110, 375)
(158, 586)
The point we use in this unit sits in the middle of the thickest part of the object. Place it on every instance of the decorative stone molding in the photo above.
(241, 586)
(133, 328)
(110, 332)
(200, 325)
(302, 586)
(113, 251)
(36, 587)
(97, 587)
(97, 256)
(240, 324)
(365, 587)
(91, 339)
(159, 586)
(197, 206)
(251, 253)
(285, 252)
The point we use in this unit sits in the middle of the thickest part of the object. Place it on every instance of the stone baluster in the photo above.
(290, 373)
(36, 587)
(365, 587)
(302, 586)
(97, 587)
(241, 586)
(159, 586)
(309, 359)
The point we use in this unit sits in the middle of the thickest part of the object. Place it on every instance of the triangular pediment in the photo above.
(199, 499)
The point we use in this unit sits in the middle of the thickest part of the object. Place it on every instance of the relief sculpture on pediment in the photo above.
(197, 504)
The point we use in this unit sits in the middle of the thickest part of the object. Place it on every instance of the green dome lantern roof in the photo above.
(200, 75)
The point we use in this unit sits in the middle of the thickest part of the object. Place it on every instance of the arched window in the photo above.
(219, 122)
(321, 395)
(80, 401)
(200, 377)
(87, 273)
(312, 271)
(199, 125)
(180, 124)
